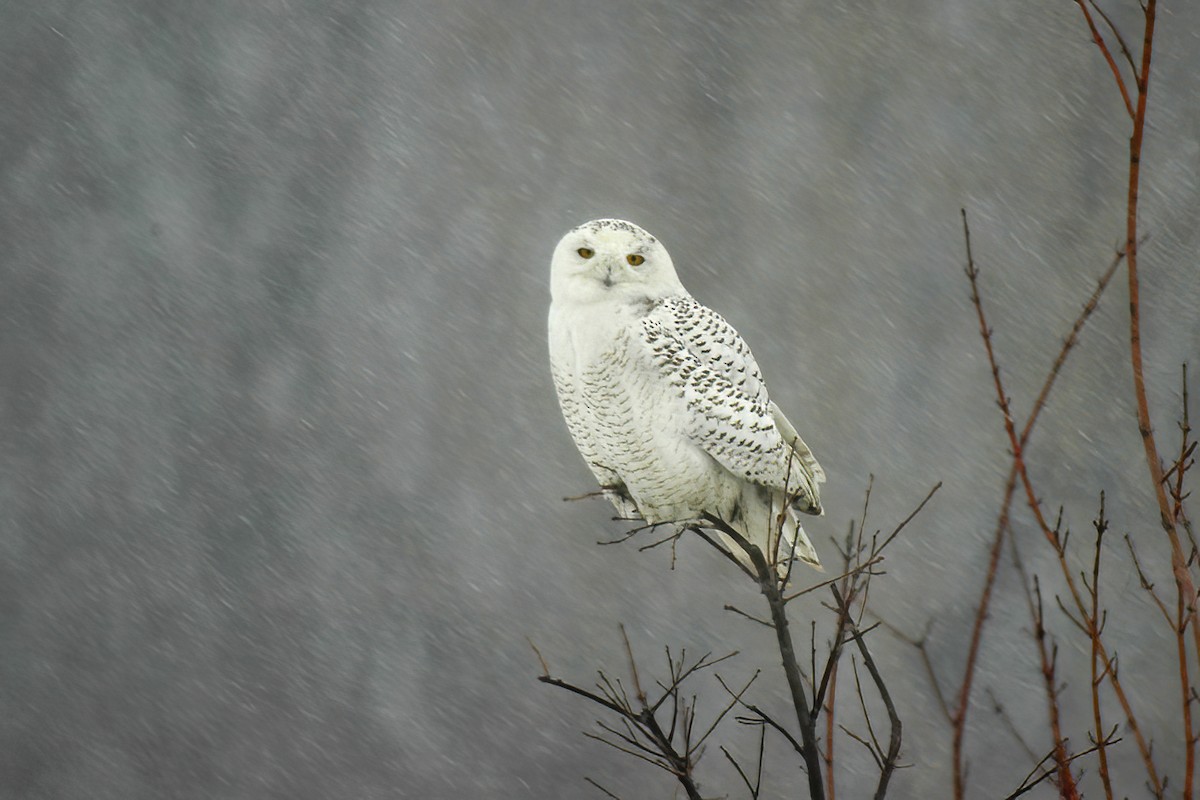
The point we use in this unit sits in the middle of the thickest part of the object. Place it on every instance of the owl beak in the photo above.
(608, 278)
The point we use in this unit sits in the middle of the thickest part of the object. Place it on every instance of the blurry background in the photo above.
(282, 466)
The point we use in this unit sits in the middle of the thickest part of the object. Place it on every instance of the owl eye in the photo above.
(635, 260)
(586, 252)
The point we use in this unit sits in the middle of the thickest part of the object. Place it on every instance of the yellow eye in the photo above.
(635, 260)
(586, 252)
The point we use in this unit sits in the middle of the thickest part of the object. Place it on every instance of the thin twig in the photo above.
(538, 653)
(920, 645)
(601, 788)
(643, 736)
(1099, 40)
(896, 532)
(751, 617)
(891, 757)
(1028, 784)
(865, 566)
(1002, 713)
(1095, 627)
(1049, 656)
(1117, 34)
(708, 731)
(1187, 446)
(682, 674)
(741, 773)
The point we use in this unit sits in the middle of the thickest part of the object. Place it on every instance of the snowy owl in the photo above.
(664, 399)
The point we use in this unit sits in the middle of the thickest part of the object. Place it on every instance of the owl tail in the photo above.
(794, 544)
(775, 529)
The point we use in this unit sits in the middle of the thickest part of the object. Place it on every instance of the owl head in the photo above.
(611, 260)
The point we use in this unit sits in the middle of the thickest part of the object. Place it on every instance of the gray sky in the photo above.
(281, 462)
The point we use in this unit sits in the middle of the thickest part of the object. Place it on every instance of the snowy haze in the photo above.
(282, 466)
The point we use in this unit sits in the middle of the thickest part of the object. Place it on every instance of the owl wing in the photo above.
(731, 417)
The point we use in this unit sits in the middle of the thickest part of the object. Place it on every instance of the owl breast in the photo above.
(628, 419)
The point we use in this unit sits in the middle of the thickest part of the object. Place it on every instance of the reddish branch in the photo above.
(1184, 583)
(1095, 627)
(1187, 446)
(1050, 533)
(1112, 64)
(831, 682)
(829, 729)
(958, 718)
(848, 581)
(1049, 658)
(1171, 513)
(1179, 563)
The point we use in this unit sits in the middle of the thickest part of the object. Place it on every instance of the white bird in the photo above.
(665, 400)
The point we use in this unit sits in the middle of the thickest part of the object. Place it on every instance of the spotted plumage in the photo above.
(665, 400)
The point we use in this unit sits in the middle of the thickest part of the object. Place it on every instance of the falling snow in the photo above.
(282, 462)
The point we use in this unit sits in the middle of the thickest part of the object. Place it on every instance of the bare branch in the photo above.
(601, 788)
(542, 661)
(753, 789)
(1094, 627)
(769, 584)
(909, 518)
(1030, 782)
(889, 759)
(1112, 65)
(750, 617)
(1051, 534)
